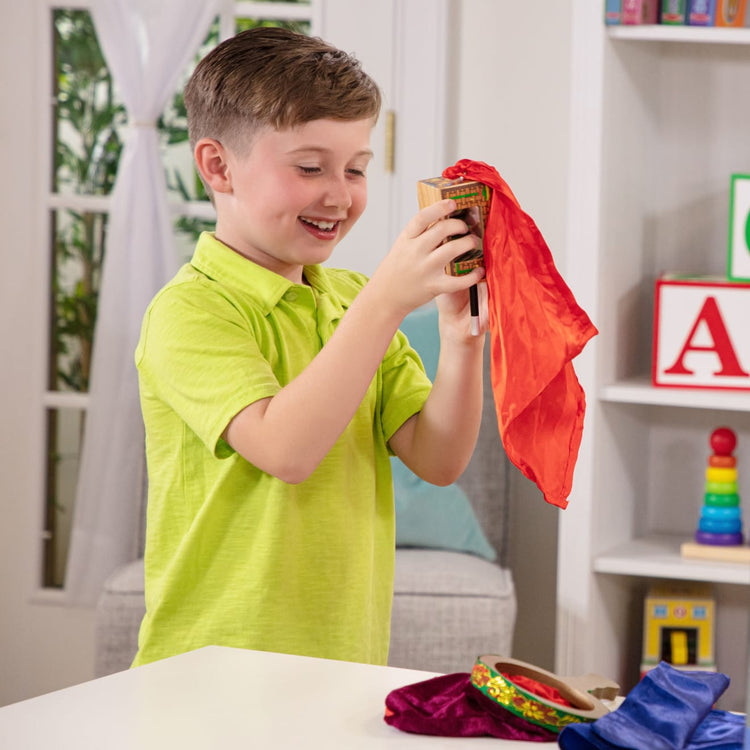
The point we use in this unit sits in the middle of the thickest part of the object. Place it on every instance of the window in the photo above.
(86, 126)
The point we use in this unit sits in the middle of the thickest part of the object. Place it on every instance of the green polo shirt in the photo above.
(234, 556)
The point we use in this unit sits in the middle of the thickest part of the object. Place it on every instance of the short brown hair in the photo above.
(270, 76)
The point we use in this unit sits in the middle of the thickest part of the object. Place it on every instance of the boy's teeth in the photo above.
(324, 225)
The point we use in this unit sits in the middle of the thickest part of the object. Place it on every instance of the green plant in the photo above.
(88, 118)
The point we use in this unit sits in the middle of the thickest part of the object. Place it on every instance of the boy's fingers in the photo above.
(450, 284)
(428, 216)
(458, 246)
(439, 233)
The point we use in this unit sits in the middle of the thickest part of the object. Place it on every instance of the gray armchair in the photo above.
(448, 606)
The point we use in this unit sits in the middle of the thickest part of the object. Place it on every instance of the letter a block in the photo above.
(701, 337)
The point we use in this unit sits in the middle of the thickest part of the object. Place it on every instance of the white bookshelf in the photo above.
(638, 390)
(701, 35)
(659, 123)
(659, 557)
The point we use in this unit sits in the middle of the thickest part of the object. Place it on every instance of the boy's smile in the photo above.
(294, 193)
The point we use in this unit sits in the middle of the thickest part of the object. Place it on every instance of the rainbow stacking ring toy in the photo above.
(493, 677)
(720, 521)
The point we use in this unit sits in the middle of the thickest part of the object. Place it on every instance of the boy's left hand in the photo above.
(455, 314)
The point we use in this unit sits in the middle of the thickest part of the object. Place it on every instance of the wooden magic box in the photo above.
(472, 204)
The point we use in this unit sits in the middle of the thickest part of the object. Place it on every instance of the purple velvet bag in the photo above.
(450, 706)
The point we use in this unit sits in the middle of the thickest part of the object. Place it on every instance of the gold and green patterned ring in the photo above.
(492, 676)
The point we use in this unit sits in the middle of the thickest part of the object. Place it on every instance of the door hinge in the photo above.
(390, 141)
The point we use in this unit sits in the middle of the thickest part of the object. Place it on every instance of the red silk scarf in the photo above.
(536, 329)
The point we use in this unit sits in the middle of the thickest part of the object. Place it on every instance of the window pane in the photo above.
(78, 250)
(302, 27)
(64, 435)
(87, 114)
(183, 183)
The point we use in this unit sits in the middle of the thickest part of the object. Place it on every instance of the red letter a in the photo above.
(722, 345)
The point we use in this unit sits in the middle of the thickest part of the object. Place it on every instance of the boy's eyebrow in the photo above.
(321, 149)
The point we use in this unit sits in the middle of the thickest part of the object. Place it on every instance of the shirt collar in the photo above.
(222, 264)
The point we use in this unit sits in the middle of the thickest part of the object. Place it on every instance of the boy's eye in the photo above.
(309, 170)
(358, 172)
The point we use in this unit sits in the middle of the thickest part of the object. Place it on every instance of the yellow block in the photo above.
(679, 645)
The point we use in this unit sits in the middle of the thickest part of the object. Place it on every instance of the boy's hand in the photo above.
(413, 272)
(455, 315)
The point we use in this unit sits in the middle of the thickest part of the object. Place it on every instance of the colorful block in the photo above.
(738, 266)
(700, 334)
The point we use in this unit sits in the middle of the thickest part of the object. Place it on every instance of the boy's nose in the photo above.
(338, 193)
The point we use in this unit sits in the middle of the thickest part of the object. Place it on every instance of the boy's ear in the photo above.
(211, 161)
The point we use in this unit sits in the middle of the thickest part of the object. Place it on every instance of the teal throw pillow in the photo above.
(435, 517)
(428, 515)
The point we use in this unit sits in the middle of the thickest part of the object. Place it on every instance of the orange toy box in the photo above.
(731, 12)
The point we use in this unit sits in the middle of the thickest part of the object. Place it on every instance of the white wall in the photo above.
(42, 646)
(512, 112)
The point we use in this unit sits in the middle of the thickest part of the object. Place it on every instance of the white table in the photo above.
(225, 698)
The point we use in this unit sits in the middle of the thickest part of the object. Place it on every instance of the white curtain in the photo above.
(148, 45)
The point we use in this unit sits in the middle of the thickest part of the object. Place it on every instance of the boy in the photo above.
(273, 388)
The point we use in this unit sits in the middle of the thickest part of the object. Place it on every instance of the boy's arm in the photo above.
(289, 434)
(438, 442)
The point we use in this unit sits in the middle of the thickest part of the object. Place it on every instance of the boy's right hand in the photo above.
(413, 272)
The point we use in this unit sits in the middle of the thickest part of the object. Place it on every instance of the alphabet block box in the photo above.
(701, 333)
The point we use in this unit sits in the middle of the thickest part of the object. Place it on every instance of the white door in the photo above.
(401, 44)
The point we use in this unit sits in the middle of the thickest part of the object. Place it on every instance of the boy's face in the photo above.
(295, 193)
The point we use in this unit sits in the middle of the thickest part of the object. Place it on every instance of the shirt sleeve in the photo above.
(405, 385)
(197, 356)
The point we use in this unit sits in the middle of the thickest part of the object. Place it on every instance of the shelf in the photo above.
(640, 391)
(698, 34)
(659, 557)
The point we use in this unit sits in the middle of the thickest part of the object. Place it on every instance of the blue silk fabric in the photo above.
(667, 710)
